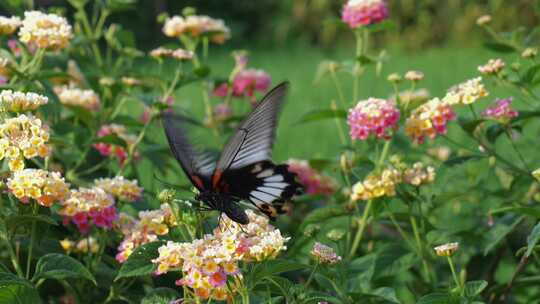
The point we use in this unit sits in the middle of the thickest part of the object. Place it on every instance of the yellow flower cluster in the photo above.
(419, 174)
(429, 120)
(179, 54)
(121, 188)
(87, 99)
(20, 101)
(196, 26)
(43, 186)
(130, 81)
(377, 185)
(446, 250)
(146, 229)
(207, 263)
(9, 25)
(23, 136)
(45, 30)
(88, 244)
(492, 67)
(467, 92)
(84, 200)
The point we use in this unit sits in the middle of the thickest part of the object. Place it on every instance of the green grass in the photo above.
(442, 67)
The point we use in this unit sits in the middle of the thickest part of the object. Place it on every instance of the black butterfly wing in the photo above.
(197, 164)
(244, 169)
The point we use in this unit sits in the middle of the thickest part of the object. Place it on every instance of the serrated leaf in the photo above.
(474, 288)
(461, 160)
(500, 231)
(140, 261)
(321, 214)
(60, 267)
(499, 47)
(532, 239)
(436, 298)
(14, 290)
(160, 295)
(318, 115)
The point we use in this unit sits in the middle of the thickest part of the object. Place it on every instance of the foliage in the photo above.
(428, 200)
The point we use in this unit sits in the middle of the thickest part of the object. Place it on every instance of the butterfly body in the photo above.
(244, 171)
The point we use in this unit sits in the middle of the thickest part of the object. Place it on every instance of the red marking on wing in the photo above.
(198, 181)
(216, 178)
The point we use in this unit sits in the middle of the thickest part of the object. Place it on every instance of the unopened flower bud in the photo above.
(446, 250)
(347, 161)
(335, 234)
(483, 20)
(166, 196)
(529, 52)
(394, 77)
(536, 174)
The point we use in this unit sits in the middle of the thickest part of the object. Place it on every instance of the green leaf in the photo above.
(321, 214)
(15, 221)
(381, 26)
(493, 132)
(139, 262)
(160, 295)
(470, 125)
(474, 288)
(202, 71)
(461, 160)
(535, 212)
(386, 294)
(437, 298)
(274, 267)
(120, 5)
(500, 231)
(530, 74)
(83, 115)
(499, 47)
(14, 290)
(317, 115)
(60, 267)
(532, 239)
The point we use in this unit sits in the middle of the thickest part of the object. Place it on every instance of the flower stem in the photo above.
(521, 158)
(32, 241)
(338, 124)
(384, 153)
(361, 228)
(454, 274)
(14, 260)
(420, 247)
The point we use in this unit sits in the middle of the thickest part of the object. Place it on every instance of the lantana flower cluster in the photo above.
(121, 188)
(324, 254)
(419, 174)
(150, 225)
(107, 149)
(42, 186)
(23, 137)
(20, 101)
(358, 13)
(87, 99)
(501, 111)
(373, 116)
(492, 67)
(9, 25)
(245, 83)
(178, 54)
(84, 245)
(45, 30)
(87, 206)
(208, 263)
(196, 26)
(313, 181)
(429, 120)
(466, 93)
(377, 185)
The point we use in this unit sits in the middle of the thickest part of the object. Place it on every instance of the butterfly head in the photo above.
(224, 204)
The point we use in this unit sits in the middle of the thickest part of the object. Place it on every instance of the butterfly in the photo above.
(244, 171)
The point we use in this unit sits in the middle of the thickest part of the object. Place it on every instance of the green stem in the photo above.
(403, 234)
(420, 247)
(310, 278)
(454, 274)
(520, 156)
(14, 260)
(471, 107)
(32, 242)
(341, 133)
(338, 88)
(384, 153)
(361, 228)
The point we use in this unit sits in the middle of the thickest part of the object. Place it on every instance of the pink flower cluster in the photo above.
(501, 111)
(313, 181)
(357, 13)
(87, 206)
(373, 116)
(245, 83)
(107, 149)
